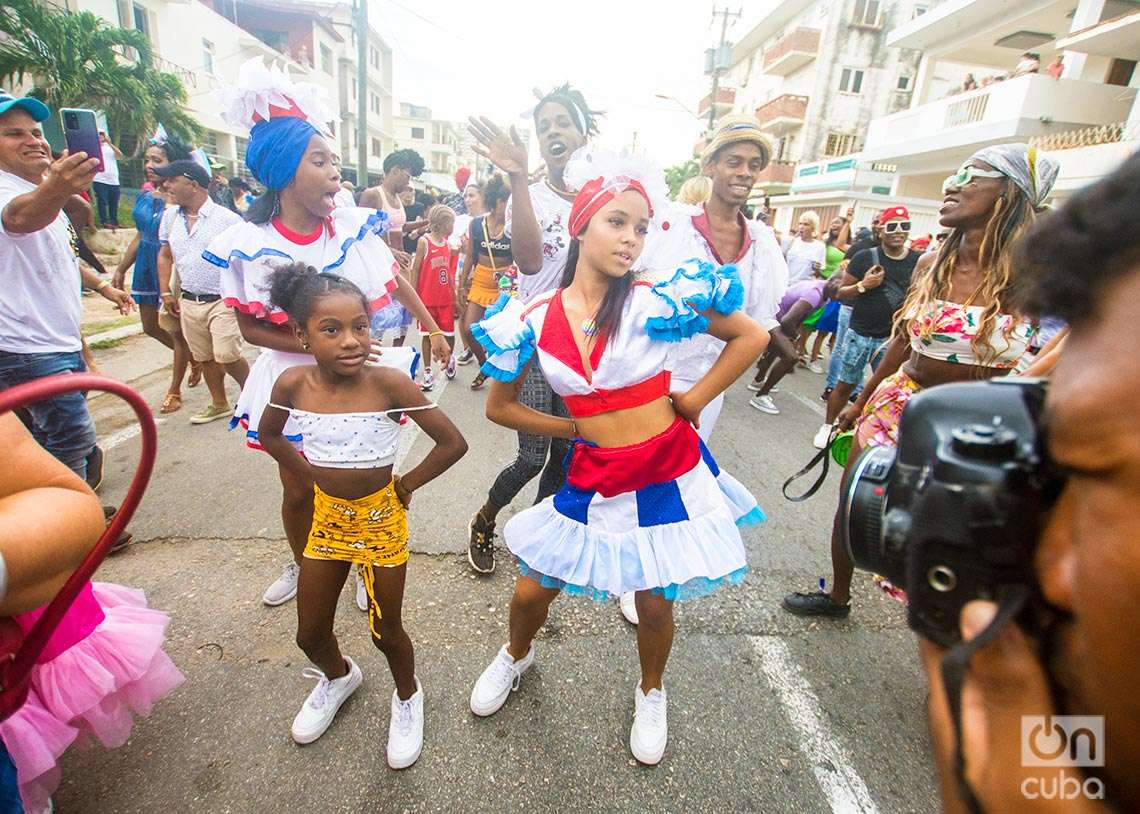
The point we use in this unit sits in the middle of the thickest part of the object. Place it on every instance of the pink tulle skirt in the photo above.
(92, 688)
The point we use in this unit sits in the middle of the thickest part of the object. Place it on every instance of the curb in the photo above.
(116, 334)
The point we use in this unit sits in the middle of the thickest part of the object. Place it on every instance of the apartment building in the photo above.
(1087, 118)
(816, 73)
(437, 140)
(204, 42)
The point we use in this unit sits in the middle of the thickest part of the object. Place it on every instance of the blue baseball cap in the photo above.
(34, 107)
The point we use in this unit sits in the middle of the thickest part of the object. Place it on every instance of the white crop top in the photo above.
(350, 440)
(630, 369)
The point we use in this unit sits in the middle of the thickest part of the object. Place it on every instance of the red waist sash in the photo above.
(611, 471)
(620, 398)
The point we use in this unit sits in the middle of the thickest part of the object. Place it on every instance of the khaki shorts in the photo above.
(211, 331)
(166, 320)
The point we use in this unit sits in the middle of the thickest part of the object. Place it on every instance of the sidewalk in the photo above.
(101, 323)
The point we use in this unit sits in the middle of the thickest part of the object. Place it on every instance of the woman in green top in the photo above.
(823, 319)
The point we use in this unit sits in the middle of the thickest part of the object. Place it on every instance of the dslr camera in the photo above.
(953, 514)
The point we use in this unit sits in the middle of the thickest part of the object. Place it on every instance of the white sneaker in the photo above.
(755, 385)
(820, 440)
(284, 587)
(764, 404)
(465, 357)
(815, 367)
(429, 380)
(406, 729)
(650, 730)
(323, 702)
(361, 594)
(498, 681)
(450, 372)
(628, 607)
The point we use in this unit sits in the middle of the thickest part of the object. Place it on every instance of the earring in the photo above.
(276, 205)
(304, 345)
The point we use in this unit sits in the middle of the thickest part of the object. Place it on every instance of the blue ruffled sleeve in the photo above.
(508, 338)
(695, 286)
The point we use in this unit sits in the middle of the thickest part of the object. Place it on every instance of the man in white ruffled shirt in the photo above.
(718, 232)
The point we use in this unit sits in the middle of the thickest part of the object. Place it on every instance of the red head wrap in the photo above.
(597, 193)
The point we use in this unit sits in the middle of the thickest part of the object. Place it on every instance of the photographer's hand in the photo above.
(1006, 680)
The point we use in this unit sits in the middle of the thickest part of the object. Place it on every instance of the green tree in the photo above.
(679, 174)
(80, 60)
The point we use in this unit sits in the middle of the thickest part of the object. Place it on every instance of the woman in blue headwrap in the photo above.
(297, 220)
(956, 323)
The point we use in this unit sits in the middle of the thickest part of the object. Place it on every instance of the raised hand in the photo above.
(505, 150)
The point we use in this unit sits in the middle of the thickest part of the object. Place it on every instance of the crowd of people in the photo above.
(609, 321)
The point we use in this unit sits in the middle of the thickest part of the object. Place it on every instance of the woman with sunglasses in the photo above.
(954, 324)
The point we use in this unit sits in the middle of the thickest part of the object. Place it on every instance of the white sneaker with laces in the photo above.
(284, 587)
(820, 440)
(815, 367)
(755, 385)
(361, 594)
(323, 702)
(498, 681)
(450, 372)
(650, 730)
(628, 607)
(429, 380)
(406, 729)
(466, 357)
(764, 404)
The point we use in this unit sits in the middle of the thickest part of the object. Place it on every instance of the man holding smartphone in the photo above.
(41, 308)
(875, 285)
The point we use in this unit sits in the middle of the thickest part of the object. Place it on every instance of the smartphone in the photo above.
(81, 133)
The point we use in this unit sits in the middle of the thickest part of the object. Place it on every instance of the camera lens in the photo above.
(942, 579)
(865, 527)
(71, 120)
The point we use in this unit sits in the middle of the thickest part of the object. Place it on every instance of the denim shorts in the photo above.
(62, 425)
(856, 352)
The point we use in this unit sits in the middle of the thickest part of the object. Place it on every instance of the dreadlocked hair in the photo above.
(585, 119)
(297, 287)
(608, 318)
(1012, 215)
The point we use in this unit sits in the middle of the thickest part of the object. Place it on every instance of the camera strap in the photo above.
(954, 666)
(823, 455)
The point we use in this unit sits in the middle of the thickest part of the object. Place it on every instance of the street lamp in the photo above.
(681, 104)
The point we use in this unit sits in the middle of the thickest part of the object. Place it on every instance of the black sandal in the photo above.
(478, 381)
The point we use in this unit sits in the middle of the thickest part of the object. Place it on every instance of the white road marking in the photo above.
(125, 434)
(412, 431)
(810, 404)
(841, 785)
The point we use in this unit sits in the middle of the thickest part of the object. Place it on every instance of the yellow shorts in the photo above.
(371, 530)
(484, 286)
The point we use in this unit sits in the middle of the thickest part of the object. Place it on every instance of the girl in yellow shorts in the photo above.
(488, 267)
(348, 412)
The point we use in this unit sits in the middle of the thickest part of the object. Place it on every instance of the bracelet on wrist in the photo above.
(102, 284)
(433, 334)
(167, 293)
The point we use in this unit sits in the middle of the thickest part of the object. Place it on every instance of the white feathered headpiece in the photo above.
(267, 92)
(600, 174)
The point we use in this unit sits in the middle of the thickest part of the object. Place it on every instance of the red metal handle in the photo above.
(14, 674)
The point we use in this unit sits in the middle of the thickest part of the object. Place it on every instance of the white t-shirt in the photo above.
(110, 173)
(41, 307)
(552, 212)
(801, 255)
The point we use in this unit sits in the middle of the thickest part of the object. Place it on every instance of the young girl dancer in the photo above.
(295, 220)
(348, 414)
(645, 507)
(431, 275)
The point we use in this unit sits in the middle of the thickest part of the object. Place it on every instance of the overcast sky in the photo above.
(462, 57)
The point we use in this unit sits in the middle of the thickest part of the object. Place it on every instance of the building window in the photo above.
(374, 57)
(866, 13)
(210, 143)
(326, 59)
(850, 80)
(242, 146)
(208, 56)
(141, 23)
(374, 103)
(418, 133)
(839, 144)
(903, 83)
(921, 9)
(376, 149)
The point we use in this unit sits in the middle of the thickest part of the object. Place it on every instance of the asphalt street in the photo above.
(767, 712)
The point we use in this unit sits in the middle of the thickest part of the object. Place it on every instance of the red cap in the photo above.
(461, 177)
(920, 243)
(894, 213)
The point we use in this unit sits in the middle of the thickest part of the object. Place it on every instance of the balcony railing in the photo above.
(778, 173)
(782, 113)
(1088, 136)
(941, 133)
(792, 51)
(725, 98)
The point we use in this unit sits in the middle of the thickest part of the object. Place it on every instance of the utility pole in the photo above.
(360, 12)
(720, 58)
